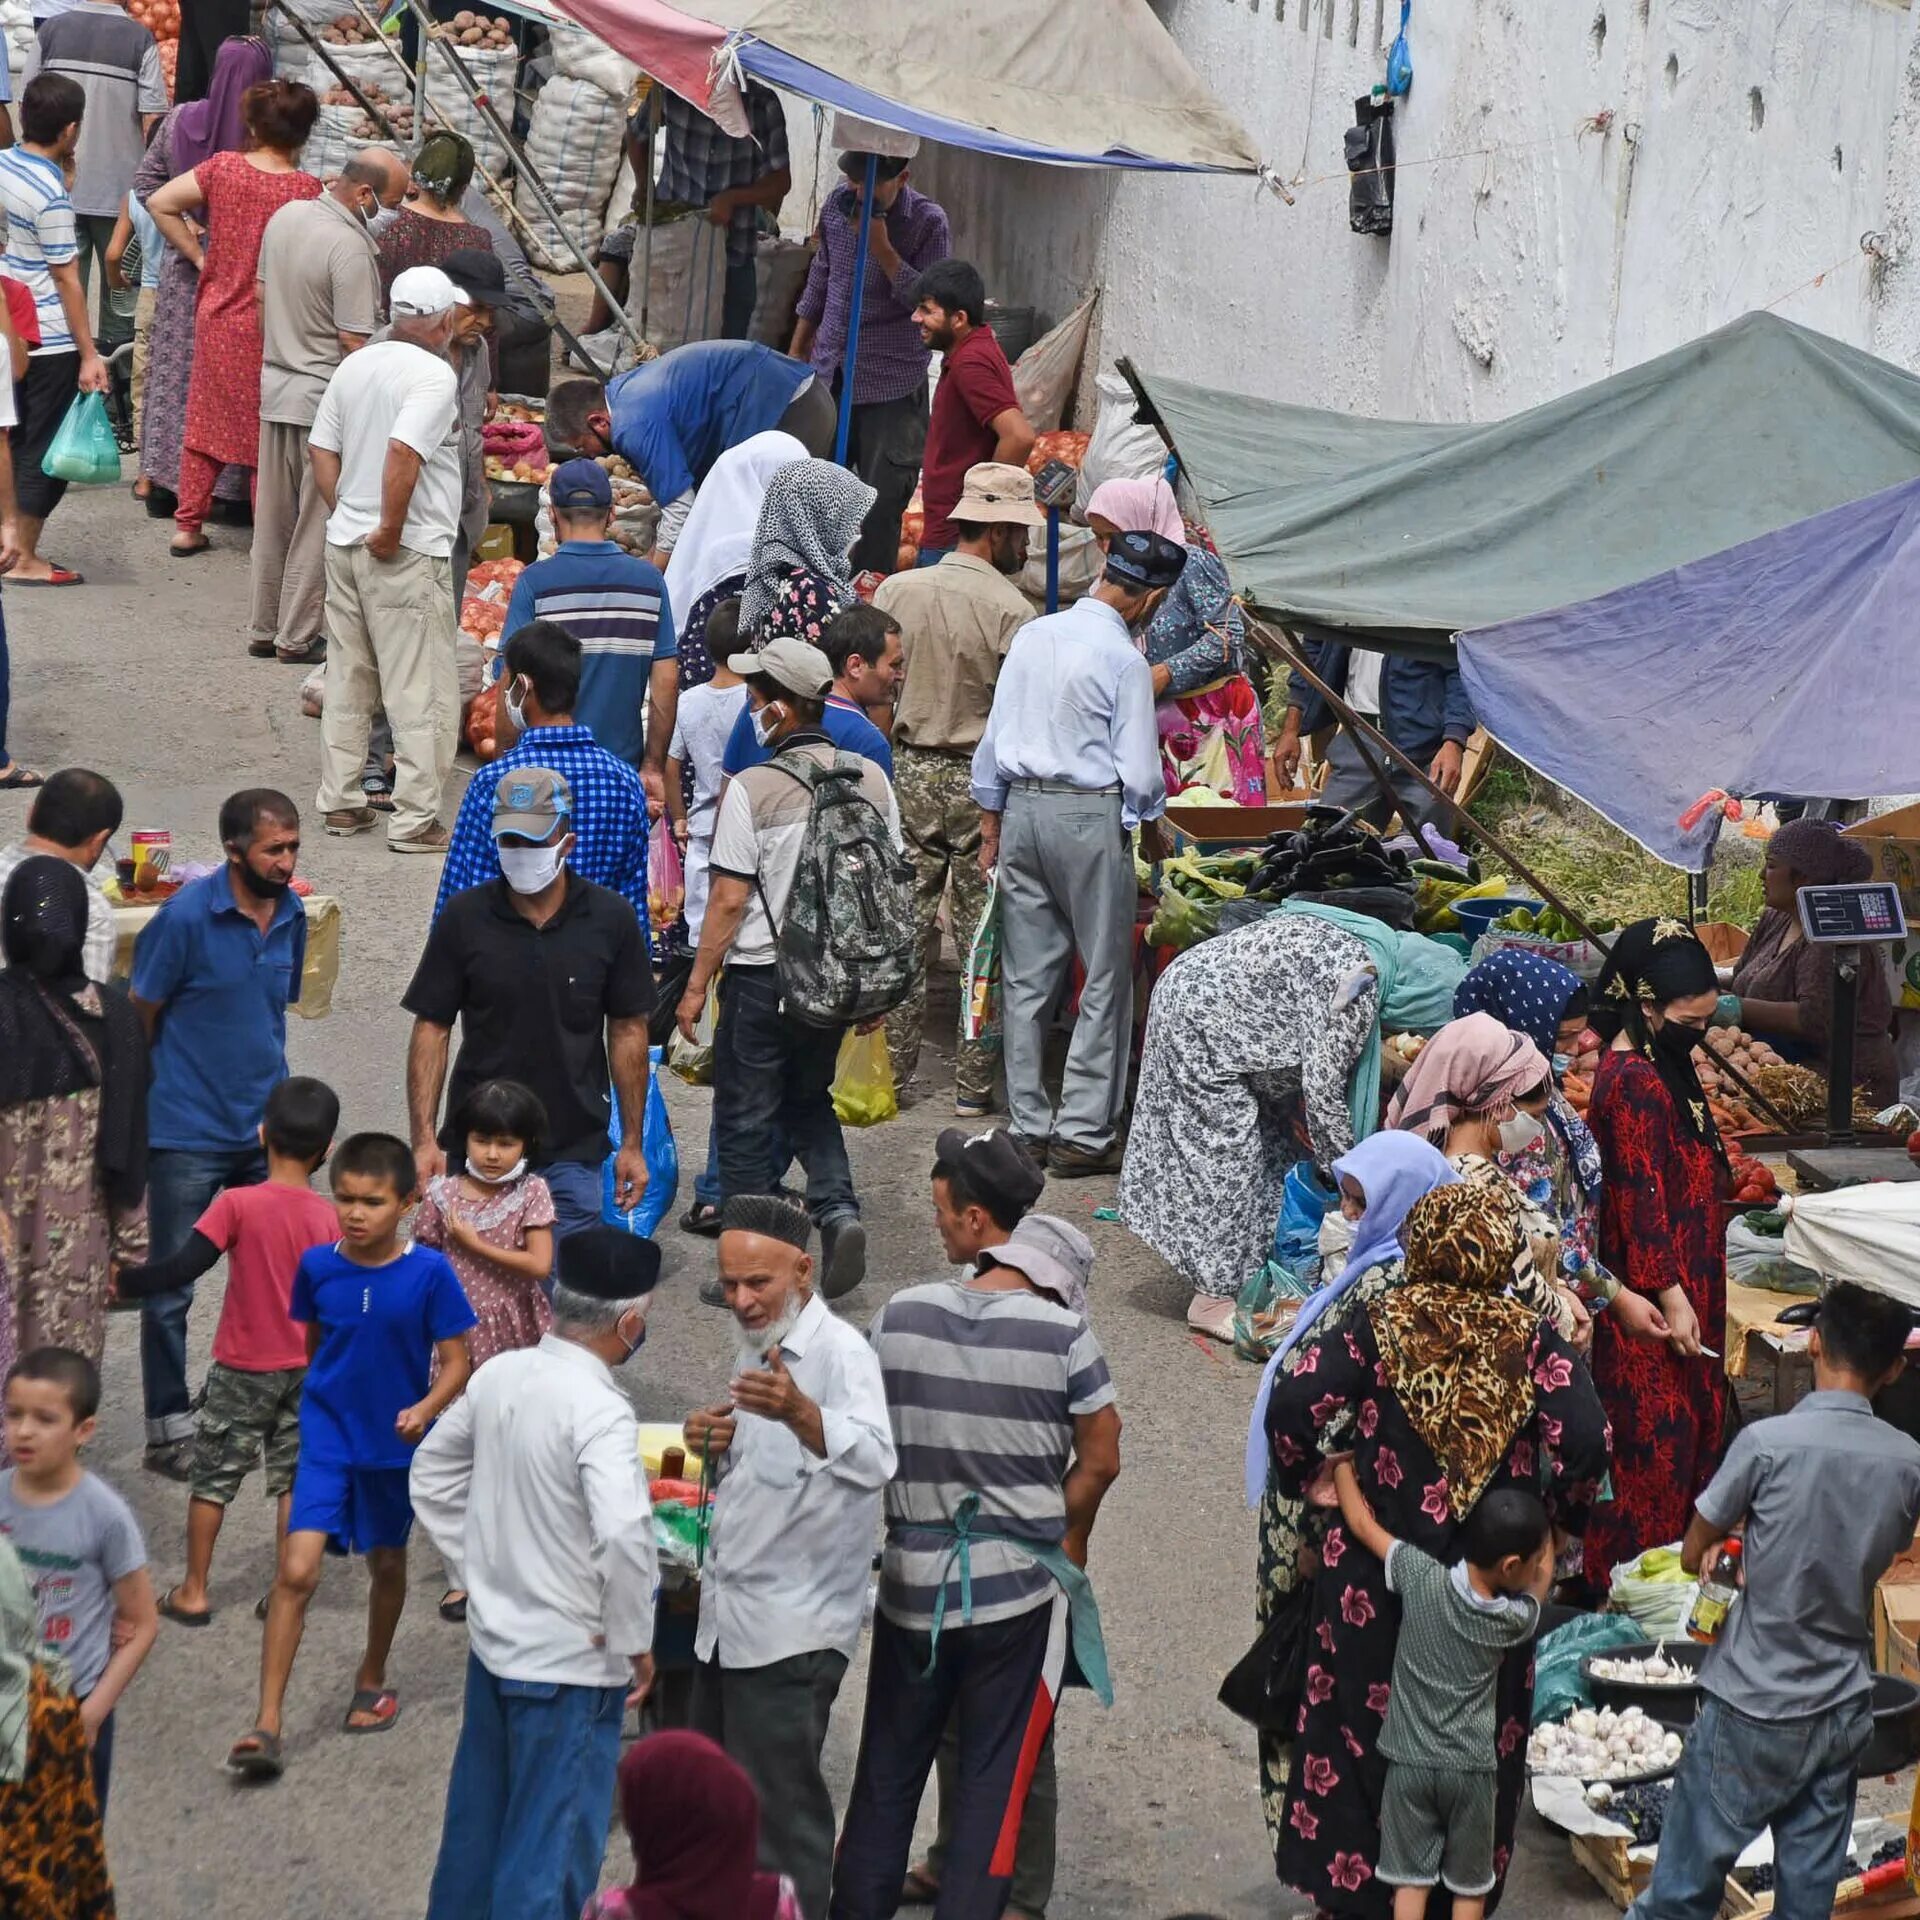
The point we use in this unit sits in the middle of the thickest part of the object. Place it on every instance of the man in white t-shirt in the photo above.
(385, 447)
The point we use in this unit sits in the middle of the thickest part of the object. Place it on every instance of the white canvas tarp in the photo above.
(1869, 1234)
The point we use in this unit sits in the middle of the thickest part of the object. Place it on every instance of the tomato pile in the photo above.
(1753, 1181)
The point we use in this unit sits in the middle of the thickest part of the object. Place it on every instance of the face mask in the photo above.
(506, 1179)
(516, 712)
(258, 884)
(766, 723)
(1561, 1062)
(1519, 1132)
(633, 1346)
(1336, 1234)
(1678, 1038)
(531, 869)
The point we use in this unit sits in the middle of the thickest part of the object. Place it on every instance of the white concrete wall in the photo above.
(1751, 143)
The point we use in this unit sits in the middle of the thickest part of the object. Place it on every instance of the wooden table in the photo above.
(317, 978)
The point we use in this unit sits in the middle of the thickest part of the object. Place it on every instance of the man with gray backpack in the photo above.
(810, 926)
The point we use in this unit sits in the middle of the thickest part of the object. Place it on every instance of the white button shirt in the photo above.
(1074, 703)
(793, 1534)
(531, 1482)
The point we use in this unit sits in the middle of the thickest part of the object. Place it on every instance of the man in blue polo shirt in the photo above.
(213, 975)
(616, 606)
(862, 645)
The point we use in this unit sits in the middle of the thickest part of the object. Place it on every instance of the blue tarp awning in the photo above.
(1786, 664)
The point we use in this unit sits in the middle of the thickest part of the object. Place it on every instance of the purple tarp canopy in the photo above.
(1787, 664)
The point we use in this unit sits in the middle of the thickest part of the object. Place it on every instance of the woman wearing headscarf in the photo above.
(1665, 1172)
(53, 1855)
(1783, 988)
(1263, 1048)
(73, 1115)
(1446, 1388)
(431, 225)
(234, 195)
(187, 138)
(1379, 1181)
(709, 560)
(800, 572)
(691, 1814)
(1211, 731)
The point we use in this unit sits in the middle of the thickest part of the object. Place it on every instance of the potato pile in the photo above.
(526, 473)
(349, 30)
(485, 33)
(399, 116)
(513, 410)
(615, 467)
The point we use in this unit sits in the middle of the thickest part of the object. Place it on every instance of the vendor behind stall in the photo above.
(672, 418)
(1782, 987)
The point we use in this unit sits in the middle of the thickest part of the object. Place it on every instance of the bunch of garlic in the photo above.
(1603, 1745)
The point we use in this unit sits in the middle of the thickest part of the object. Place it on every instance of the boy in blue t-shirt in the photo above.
(385, 1357)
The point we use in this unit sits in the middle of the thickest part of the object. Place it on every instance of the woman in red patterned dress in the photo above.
(1664, 1172)
(236, 195)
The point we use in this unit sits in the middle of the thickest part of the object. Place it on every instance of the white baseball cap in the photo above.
(423, 292)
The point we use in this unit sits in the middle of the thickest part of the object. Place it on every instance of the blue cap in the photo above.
(580, 484)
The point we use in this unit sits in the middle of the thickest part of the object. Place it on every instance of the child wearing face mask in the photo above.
(494, 1221)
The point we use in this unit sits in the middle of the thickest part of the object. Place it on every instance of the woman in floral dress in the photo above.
(800, 573)
(1444, 1389)
(1660, 1232)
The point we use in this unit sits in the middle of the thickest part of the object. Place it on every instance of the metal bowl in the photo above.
(1671, 1706)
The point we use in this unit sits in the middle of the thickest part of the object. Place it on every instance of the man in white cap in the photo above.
(385, 446)
(957, 621)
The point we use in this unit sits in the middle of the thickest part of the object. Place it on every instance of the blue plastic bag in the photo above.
(1400, 58)
(1303, 1205)
(84, 451)
(662, 1156)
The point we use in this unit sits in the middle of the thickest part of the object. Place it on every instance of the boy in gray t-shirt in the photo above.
(1457, 1624)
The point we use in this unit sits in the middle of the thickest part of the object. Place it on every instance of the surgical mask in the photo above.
(531, 869)
(1562, 1063)
(1336, 1235)
(506, 1179)
(633, 1346)
(766, 723)
(1519, 1132)
(516, 712)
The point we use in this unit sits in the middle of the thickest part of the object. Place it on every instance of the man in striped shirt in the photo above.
(1008, 1438)
(615, 605)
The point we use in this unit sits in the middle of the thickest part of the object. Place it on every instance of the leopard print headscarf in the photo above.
(1454, 1346)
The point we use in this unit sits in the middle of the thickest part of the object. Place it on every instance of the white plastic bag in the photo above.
(1120, 449)
(1044, 376)
(1760, 1260)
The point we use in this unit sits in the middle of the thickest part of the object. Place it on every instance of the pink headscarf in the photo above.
(1473, 1065)
(203, 128)
(1139, 506)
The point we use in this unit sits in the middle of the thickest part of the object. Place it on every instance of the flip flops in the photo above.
(17, 778)
(382, 1702)
(58, 577)
(182, 1616)
(256, 1756)
(453, 1606)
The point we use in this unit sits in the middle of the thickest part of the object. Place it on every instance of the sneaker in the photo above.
(349, 820)
(1033, 1143)
(433, 839)
(972, 1109)
(1075, 1163)
(843, 1256)
(170, 1459)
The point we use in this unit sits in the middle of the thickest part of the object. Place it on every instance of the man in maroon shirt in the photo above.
(976, 414)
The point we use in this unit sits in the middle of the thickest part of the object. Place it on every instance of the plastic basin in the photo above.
(1477, 916)
(1672, 1706)
(1896, 1726)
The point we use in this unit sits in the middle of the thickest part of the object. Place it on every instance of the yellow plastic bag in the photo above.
(863, 1093)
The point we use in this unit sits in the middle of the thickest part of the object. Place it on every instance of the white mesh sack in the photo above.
(493, 74)
(573, 142)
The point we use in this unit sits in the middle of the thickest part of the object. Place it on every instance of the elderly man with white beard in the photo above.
(800, 1454)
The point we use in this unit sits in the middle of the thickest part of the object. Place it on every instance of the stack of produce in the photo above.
(347, 30)
(1345, 866)
(1725, 1095)
(1753, 1181)
(161, 18)
(488, 32)
(1548, 924)
(514, 450)
(1603, 1746)
(1193, 888)
(1062, 445)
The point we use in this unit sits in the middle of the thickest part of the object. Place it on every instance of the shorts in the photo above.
(1436, 1823)
(357, 1508)
(243, 1416)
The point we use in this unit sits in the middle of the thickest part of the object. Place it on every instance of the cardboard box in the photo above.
(1778, 1372)
(1896, 1629)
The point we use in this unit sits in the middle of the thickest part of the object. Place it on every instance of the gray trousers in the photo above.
(1033, 1853)
(1351, 783)
(1066, 888)
(773, 1721)
(288, 566)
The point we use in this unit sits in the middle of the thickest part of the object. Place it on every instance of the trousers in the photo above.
(1066, 888)
(773, 1720)
(885, 440)
(287, 576)
(199, 474)
(390, 641)
(940, 823)
(1033, 1856)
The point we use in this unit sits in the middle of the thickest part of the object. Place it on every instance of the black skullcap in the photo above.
(608, 1263)
(1144, 560)
(769, 1215)
(995, 1162)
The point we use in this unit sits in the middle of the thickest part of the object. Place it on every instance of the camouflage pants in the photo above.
(941, 826)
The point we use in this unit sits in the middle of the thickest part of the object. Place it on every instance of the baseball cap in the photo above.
(479, 275)
(994, 492)
(791, 664)
(996, 1161)
(423, 292)
(529, 801)
(580, 483)
(1053, 1253)
(885, 166)
(1142, 560)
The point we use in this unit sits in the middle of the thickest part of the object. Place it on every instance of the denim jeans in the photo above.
(529, 1800)
(707, 1189)
(575, 1187)
(181, 1184)
(773, 1088)
(1740, 1776)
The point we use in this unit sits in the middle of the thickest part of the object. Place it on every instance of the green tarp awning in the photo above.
(1405, 534)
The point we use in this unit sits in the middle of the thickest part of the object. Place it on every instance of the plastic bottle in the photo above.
(1717, 1594)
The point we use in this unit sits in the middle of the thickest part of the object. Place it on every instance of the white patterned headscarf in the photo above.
(809, 520)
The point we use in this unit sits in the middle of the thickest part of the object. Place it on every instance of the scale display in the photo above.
(1055, 484)
(1852, 915)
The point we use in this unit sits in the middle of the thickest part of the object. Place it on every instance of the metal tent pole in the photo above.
(656, 127)
(845, 430)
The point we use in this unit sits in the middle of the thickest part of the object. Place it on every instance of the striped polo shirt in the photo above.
(615, 605)
(40, 234)
(983, 1389)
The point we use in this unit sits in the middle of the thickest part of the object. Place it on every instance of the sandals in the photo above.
(191, 550)
(382, 1702)
(17, 778)
(919, 1889)
(701, 1218)
(56, 577)
(256, 1756)
(183, 1616)
(453, 1606)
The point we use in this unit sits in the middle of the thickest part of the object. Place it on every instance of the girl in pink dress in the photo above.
(494, 1220)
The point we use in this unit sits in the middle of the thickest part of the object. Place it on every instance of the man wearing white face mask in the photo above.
(548, 976)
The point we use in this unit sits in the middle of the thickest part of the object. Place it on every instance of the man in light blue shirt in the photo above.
(1070, 765)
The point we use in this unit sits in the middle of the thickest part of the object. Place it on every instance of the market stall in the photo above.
(325, 919)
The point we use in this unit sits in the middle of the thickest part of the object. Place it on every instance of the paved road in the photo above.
(143, 674)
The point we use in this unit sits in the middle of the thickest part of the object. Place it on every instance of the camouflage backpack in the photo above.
(847, 950)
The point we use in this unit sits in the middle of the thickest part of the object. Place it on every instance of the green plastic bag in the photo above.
(84, 451)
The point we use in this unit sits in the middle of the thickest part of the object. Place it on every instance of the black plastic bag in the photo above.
(1269, 1680)
(1370, 161)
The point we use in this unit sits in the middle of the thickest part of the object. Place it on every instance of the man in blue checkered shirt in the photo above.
(538, 686)
(704, 166)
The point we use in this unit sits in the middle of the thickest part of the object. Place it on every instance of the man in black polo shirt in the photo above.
(549, 978)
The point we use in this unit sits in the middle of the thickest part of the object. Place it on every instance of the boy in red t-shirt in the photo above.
(251, 1404)
(976, 413)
